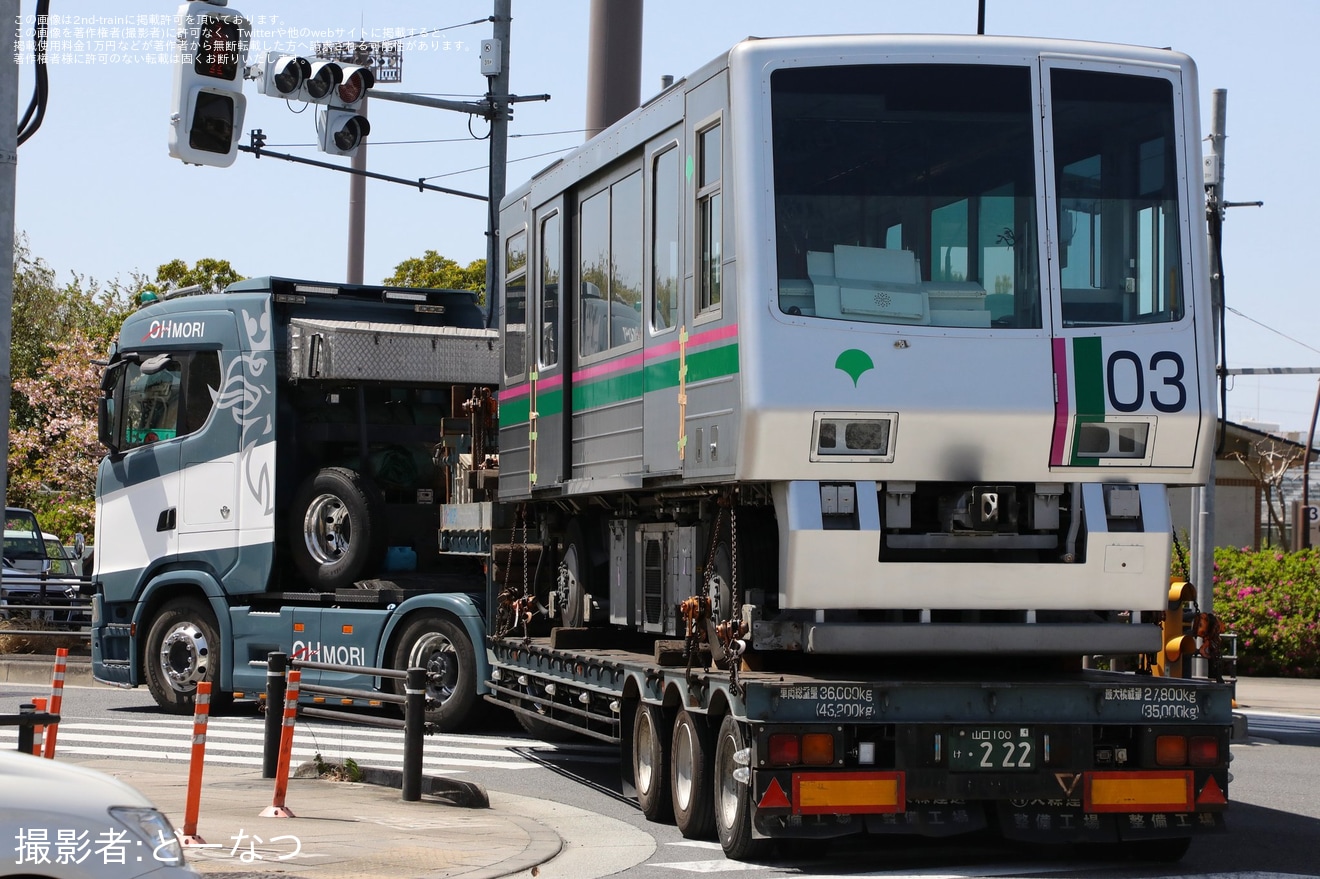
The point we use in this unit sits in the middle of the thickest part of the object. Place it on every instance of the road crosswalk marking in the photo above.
(239, 742)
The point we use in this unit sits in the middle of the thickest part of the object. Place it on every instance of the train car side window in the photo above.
(515, 304)
(709, 221)
(593, 327)
(626, 271)
(551, 258)
(666, 225)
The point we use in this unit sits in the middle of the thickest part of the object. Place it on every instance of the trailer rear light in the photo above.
(1171, 751)
(785, 749)
(1204, 751)
(818, 749)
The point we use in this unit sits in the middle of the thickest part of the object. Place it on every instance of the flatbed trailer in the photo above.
(1062, 756)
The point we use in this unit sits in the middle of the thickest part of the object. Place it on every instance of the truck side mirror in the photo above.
(105, 424)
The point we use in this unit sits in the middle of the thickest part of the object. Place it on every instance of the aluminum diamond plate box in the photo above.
(363, 351)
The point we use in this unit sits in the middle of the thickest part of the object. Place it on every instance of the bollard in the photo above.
(25, 729)
(276, 664)
(414, 727)
(56, 698)
(277, 809)
(38, 730)
(202, 712)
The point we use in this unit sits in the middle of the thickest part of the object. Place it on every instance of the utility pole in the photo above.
(1203, 507)
(8, 178)
(500, 100)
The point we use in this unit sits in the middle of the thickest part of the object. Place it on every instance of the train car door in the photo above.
(664, 377)
(545, 332)
(1131, 368)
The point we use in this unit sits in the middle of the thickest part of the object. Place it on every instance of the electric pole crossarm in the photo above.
(420, 184)
(1275, 370)
(480, 108)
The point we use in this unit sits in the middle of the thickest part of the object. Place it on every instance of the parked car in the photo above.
(38, 571)
(29, 548)
(64, 821)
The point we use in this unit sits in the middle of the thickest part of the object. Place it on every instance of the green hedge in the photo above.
(1271, 600)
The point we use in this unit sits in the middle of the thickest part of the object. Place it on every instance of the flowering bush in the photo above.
(1271, 600)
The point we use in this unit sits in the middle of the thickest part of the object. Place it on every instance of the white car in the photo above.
(65, 821)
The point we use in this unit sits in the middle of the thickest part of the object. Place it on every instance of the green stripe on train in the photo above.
(624, 386)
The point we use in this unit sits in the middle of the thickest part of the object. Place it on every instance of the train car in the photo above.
(879, 344)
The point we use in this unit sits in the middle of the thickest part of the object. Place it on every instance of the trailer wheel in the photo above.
(575, 577)
(441, 647)
(539, 728)
(733, 798)
(651, 762)
(182, 650)
(336, 532)
(691, 776)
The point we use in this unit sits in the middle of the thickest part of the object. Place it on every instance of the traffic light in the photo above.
(283, 75)
(207, 121)
(340, 132)
(1177, 643)
(340, 128)
(322, 78)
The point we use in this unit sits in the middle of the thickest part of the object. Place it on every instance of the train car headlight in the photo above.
(853, 436)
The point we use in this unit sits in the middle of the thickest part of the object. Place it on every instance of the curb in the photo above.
(38, 669)
(465, 794)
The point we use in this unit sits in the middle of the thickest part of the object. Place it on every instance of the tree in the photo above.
(46, 314)
(1270, 463)
(212, 275)
(440, 272)
(53, 458)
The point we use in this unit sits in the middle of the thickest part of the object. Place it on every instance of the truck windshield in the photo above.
(906, 194)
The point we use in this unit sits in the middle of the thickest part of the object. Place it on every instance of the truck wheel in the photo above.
(651, 762)
(690, 777)
(336, 533)
(441, 646)
(733, 798)
(182, 650)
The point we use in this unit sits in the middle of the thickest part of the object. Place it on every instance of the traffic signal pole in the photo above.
(357, 210)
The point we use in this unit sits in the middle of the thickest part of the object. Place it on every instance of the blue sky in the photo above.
(98, 195)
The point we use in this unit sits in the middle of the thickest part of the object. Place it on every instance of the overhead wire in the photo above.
(1265, 326)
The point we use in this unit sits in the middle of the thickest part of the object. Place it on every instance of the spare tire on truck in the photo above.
(336, 528)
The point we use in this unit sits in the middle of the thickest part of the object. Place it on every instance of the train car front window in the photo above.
(1116, 171)
(906, 194)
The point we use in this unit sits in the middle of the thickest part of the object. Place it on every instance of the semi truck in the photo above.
(814, 448)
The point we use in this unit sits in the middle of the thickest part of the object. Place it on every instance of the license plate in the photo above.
(992, 748)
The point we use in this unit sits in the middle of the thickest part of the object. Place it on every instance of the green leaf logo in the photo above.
(854, 362)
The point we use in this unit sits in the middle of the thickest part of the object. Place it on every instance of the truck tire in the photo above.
(733, 800)
(182, 650)
(651, 763)
(691, 774)
(336, 532)
(441, 646)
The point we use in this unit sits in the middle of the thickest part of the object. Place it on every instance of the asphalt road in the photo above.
(1274, 822)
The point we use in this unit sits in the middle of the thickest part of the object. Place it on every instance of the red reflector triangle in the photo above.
(1211, 794)
(774, 797)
